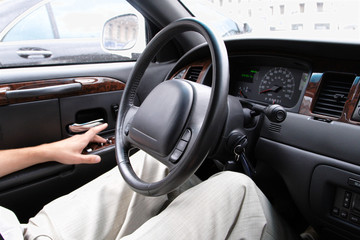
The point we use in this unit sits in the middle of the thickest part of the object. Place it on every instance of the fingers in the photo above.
(100, 128)
(90, 159)
(98, 139)
(91, 134)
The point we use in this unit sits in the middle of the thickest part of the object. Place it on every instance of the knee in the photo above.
(229, 177)
(234, 181)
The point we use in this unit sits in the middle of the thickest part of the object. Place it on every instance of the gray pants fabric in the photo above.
(227, 206)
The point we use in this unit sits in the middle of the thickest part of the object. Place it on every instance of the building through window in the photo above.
(302, 7)
(320, 6)
(282, 9)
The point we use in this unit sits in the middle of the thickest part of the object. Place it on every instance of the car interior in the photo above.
(285, 112)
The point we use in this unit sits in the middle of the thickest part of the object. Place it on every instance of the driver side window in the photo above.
(65, 31)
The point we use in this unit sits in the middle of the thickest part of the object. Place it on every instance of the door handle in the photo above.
(82, 127)
(33, 53)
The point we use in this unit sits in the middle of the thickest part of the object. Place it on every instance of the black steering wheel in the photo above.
(180, 121)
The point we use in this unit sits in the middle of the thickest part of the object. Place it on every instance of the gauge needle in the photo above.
(242, 94)
(272, 89)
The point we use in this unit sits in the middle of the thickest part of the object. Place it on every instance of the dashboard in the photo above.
(315, 150)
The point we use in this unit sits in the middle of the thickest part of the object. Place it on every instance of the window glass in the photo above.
(33, 27)
(85, 18)
(68, 31)
(326, 20)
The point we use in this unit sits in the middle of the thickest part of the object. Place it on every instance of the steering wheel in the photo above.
(180, 121)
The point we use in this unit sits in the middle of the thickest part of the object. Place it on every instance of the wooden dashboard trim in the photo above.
(89, 85)
(312, 92)
(202, 63)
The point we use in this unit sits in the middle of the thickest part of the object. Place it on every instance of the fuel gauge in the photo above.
(243, 91)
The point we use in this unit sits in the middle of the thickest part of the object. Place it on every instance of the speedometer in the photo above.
(277, 85)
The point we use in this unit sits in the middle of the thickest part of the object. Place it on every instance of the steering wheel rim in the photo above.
(214, 115)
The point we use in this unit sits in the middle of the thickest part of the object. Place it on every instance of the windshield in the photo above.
(330, 20)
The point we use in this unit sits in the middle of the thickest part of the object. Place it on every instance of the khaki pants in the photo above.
(226, 206)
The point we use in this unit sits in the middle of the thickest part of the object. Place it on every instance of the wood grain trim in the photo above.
(351, 103)
(203, 63)
(91, 147)
(312, 92)
(89, 85)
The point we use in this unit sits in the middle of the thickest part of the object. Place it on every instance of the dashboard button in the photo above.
(347, 199)
(335, 211)
(181, 145)
(175, 156)
(355, 219)
(354, 183)
(344, 214)
(187, 135)
(356, 203)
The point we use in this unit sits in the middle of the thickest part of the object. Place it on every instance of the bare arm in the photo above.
(67, 151)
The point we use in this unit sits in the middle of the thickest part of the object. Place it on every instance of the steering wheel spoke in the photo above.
(127, 119)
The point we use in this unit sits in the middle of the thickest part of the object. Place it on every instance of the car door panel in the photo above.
(118, 71)
(17, 131)
(96, 97)
(27, 191)
(86, 108)
(31, 120)
(57, 51)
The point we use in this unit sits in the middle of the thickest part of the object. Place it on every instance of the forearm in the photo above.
(17, 159)
(66, 151)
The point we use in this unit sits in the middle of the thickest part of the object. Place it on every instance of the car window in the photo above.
(68, 31)
(33, 27)
(325, 20)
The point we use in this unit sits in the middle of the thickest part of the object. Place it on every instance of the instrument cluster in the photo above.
(268, 79)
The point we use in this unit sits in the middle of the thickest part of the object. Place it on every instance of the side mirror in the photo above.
(120, 32)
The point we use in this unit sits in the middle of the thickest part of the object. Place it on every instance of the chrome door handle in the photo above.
(32, 52)
(82, 127)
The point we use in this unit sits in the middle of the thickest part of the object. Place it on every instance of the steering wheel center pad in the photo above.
(161, 118)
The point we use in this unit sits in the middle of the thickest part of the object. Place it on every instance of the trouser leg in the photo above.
(102, 209)
(226, 206)
(9, 225)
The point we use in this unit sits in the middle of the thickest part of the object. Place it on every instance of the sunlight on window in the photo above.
(337, 20)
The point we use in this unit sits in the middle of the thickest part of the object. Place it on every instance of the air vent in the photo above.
(193, 73)
(333, 93)
(274, 127)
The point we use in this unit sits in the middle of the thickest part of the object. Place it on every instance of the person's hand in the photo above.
(68, 151)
